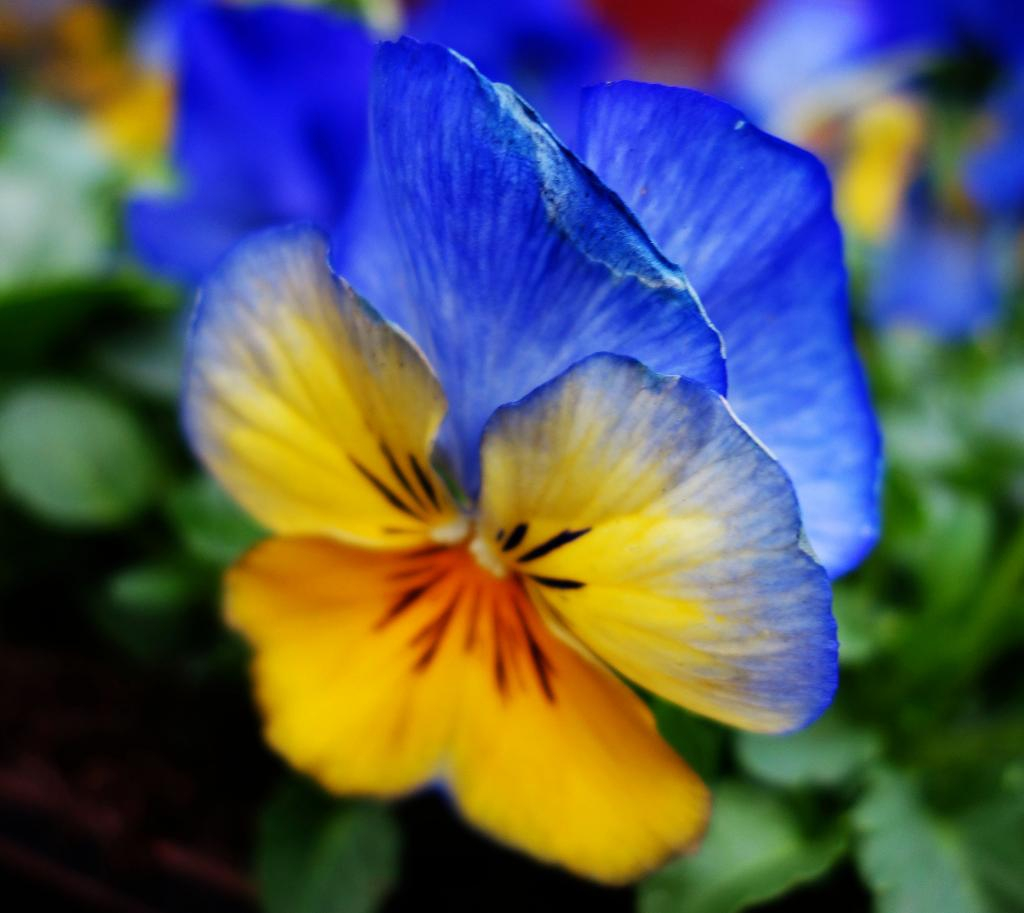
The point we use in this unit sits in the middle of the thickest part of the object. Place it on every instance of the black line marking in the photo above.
(388, 494)
(409, 572)
(436, 629)
(546, 548)
(473, 619)
(402, 480)
(426, 550)
(541, 663)
(500, 536)
(558, 583)
(407, 599)
(499, 658)
(515, 537)
(424, 481)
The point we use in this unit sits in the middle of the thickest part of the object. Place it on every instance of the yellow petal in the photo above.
(379, 673)
(651, 525)
(312, 411)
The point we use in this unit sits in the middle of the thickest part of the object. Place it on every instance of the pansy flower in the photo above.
(502, 477)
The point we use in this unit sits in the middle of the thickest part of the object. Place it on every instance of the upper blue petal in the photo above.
(272, 127)
(749, 218)
(504, 257)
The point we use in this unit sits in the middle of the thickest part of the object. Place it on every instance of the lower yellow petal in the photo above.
(379, 673)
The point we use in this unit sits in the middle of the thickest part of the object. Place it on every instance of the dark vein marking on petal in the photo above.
(424, 480)
(473, 619)
(388, 494)
(541, 664)
(546, 548)
(435, 631)
(500, 536)
(407, 599)
(558, 583)
(402, 479)
(409, 572)
(499, 658)
(515, 537)
(427, 550)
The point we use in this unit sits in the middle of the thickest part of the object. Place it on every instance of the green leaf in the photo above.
(926, 437)
(697, 740)
(74, 456)
(913, 862)
(1000, 399)
(145, 609)
(52, 177)
(318, 855)
(956, 545)
(827, 753)
(209, 523)
(754, 851)
(993, 836)
(147, 359)
(862, 629)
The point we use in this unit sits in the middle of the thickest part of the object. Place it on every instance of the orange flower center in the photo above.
(459, 597)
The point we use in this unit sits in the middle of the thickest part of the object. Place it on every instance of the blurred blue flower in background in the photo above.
(547, 49)
(271, 128)
(862, 82)
(272, 113)
(994, 171)
(937, 274)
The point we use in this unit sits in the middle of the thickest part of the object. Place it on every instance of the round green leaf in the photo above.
(754, 851)
(319, 855)
(74, 456)
(145, 609)
(825, 754)
(697, 740)
(210, 524)
(914, 862)
(52, 176)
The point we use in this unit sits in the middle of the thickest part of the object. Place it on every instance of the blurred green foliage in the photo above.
(316, 855)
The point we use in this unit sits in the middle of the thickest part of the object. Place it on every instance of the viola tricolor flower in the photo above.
(512, 477)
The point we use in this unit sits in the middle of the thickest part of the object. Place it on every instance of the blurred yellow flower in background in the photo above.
(884, 147)
(80, 54)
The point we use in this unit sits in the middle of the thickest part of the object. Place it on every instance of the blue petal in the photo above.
(936, 277)
(546, 49)
(510, 260)
(750, 219)
(271, 128)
